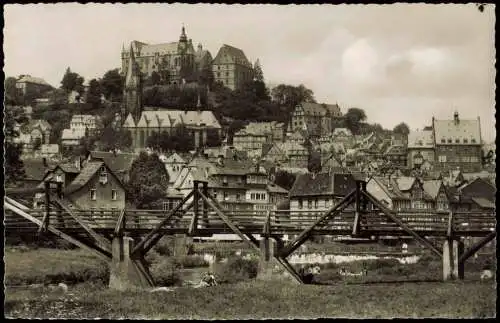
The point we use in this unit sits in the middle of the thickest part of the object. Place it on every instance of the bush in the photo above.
(164, 246)
(191, 261)
(166, 272)
(237, 269)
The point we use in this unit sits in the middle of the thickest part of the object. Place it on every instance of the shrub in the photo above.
(164, 246)
(237, 269)
(191, 261)
(166, 272)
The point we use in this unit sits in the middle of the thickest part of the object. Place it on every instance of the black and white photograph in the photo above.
(249, 161)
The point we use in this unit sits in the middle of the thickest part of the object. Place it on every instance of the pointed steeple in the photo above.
(183, 37)
(131, 69)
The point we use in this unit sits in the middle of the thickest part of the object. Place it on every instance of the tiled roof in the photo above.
(405, 182)
(35, 169)
(395, 150)
(320, 109)
(171, 118)
(294, 170)
(432, 188)
(230, 54)
(464, 131)
(72, 134)
(84, 176)
(484, 202)
(322, 184)
(34, 80)
(389, 186)
(68, 168)
(118, 162)
(341, 131)
(273, 188)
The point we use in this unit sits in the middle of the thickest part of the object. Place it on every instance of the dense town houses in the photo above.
(316, 118)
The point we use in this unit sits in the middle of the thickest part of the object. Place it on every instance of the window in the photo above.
(165, 206)
(466, 141)
(237, 197)
(301, 205)
(457, 141)
(443, 141)
(113, 195)
(309, 204)
(473, 140)
(225, 196)
(442, 158)
(449, 140)
(316, 203)
(93, 194)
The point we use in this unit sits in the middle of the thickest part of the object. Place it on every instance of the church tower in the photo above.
(132, 92)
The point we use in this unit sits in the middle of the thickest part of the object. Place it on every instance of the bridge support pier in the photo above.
(452, 267)
(127, 273)
(269, 267)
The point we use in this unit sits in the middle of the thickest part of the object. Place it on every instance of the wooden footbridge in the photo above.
(107, 233)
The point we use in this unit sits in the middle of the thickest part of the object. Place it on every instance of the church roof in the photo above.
(320, 109)
(171, 118)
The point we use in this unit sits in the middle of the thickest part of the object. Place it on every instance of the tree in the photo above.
(11, 92)
(284, 179)
(72, 82)
(111, 139)
(291, 96)
(155, 78)
(148, 181)
(94, 94)
(13, 165)
(402, 128)
(112, 85)
(257, 72)
(213, 139)
(353, 118)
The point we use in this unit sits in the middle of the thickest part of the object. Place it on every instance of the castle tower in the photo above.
(132, 92)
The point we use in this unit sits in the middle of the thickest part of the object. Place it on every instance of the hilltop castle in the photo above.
(179, 62)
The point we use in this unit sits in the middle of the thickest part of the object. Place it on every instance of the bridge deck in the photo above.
(286, 222)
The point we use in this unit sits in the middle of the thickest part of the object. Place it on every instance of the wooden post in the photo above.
(447, 260)
(60, 217)
(458, 266)
(453, 268)
(196, 200)
(45, 220)
(205, 205)
(355, 227)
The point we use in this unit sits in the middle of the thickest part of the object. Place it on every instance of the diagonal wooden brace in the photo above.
(466, 255)
(140, 246)
(227, 221)
(292, 246)
(158, 235)
(390, 215)
(100, 241)
(120, 224)
(58, 233)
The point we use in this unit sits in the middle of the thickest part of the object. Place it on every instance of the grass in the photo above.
(50, 266)
(259, 300)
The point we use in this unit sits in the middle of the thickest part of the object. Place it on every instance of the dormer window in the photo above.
(103, 176)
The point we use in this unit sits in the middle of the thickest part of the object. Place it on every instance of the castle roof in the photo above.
(232, 55)
(320, 109)
(33, 80)
(327, 183)
(171, 118)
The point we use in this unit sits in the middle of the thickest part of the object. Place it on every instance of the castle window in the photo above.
(449, 140)
(457, 141)
(473, 140)
(466, 141)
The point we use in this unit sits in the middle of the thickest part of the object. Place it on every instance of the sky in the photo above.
(400, 62)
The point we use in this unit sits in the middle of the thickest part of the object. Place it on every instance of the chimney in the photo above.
(455, 118)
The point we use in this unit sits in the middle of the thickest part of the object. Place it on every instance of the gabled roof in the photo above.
(34, 80)
(273, 188)
(87, 172)
(171, 118)
(327, 183)
(320, 109)
(35, 169)
(116, 162)
(432, 188)
(405, 183)
(129, 121)
(484, 202)
(68, 168)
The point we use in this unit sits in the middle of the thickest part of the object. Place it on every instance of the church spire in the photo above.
(183, 37)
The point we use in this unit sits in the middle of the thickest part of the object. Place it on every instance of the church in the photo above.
(142, 122)
(175, 61)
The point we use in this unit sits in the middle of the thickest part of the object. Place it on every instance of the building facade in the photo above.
(316, 118)
(231, 67)
(458, 144)
(28, 85)
(420, 147)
